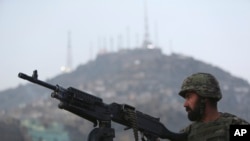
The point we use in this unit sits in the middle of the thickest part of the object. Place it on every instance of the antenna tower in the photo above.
(146, 42)
(69, 55)
(68, 66)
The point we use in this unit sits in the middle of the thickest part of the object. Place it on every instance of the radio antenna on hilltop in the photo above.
(68, 66)
(146, 42)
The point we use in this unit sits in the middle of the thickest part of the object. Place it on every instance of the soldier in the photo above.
(202, 92)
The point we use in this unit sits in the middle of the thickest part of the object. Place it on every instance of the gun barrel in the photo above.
(35, 80)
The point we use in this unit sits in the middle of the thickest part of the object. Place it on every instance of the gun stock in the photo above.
(101, 114)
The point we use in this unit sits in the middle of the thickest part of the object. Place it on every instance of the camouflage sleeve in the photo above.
(239, 121)
(235, 119)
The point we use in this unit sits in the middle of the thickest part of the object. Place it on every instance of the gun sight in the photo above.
(34, 79)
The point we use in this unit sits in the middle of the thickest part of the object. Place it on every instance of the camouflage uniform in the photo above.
(207, 86)
(217, 130)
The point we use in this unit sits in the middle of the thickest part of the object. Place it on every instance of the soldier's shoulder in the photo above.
(234, 119)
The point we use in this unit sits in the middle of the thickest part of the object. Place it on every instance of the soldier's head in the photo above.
(197, 89)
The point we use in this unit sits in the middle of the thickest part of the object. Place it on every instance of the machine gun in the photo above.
(93, 109)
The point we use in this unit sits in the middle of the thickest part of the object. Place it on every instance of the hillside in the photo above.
(144, 78)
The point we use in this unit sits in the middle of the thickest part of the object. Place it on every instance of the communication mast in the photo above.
(68, 66)
(146, 42)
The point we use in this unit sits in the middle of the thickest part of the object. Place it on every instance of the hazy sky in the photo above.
(33, 33)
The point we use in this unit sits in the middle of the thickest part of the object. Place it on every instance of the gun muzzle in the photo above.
(23, 76)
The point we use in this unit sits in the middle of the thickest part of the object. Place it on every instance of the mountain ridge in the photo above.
(144, 78)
